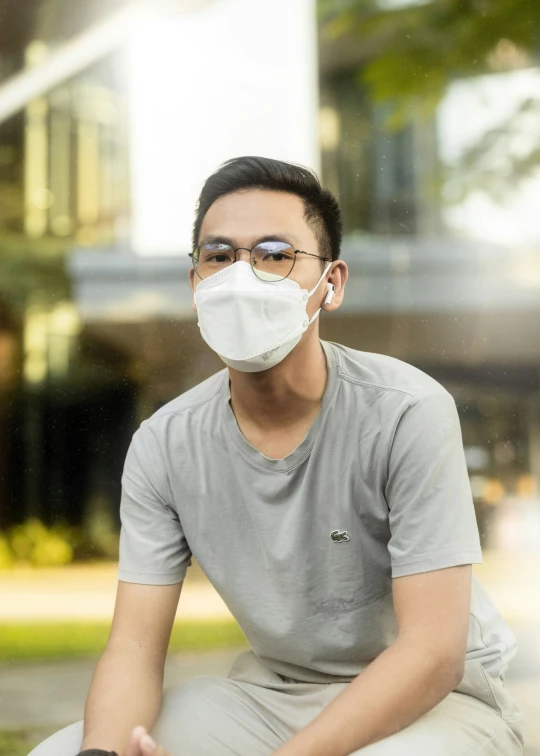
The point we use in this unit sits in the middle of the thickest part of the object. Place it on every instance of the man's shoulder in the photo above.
(382, 372)
(197, 396)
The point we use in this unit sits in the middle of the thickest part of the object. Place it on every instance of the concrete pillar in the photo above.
(534, 438)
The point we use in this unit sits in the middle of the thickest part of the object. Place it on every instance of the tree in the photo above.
(420, 47)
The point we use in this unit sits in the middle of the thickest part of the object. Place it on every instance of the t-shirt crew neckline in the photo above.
(305, 446)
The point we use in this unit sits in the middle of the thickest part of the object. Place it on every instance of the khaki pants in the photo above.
(253, 711)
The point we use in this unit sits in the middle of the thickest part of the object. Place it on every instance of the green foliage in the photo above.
(21, 641)
(420, 48)
(31, 543)
(409, 53)
(7, 557)
(21, 742)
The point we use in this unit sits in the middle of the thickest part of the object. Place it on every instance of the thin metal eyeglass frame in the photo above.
(295, 252)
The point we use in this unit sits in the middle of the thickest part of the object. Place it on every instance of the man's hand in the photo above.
(141, 744)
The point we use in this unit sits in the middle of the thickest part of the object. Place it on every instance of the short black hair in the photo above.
(321, 209)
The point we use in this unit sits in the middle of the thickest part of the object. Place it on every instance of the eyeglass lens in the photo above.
(270, 257)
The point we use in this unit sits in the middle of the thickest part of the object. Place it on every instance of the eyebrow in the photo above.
(217, 239)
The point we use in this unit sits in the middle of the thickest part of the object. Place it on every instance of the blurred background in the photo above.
(423, 117)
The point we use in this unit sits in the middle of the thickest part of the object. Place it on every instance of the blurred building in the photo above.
(110, 119)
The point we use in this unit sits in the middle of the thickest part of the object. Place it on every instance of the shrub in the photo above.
(6, 554)
(32, 543)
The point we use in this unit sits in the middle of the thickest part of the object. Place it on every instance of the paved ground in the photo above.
(89, 592)
(512, 580)
(52, 694)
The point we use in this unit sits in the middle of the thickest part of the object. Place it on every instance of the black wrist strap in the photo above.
(96, 752)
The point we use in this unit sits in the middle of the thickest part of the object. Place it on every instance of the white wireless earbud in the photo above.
(331, 290)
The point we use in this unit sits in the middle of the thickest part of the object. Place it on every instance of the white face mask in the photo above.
(253, 324)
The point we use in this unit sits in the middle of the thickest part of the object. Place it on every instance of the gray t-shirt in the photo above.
(303, 549)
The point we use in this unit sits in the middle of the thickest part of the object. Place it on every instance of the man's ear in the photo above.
(338, 278)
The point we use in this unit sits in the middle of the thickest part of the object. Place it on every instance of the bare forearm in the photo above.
(126, 691)
(397, 688)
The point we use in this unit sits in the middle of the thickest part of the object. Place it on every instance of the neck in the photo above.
(286, 394)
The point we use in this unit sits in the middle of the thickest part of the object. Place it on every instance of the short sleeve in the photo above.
(431, 512)
(153, 547)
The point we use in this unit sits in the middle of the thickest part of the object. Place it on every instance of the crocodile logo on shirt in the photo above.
(339, 536)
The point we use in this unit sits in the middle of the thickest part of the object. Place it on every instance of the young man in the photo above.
(324, 492)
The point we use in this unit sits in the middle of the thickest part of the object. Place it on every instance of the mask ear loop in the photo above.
(320, 279)
(315, 289)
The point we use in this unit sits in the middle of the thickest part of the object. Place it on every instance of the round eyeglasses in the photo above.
(268, 259)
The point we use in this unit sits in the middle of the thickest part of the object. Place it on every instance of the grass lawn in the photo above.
(20, 742)
(67, 640)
